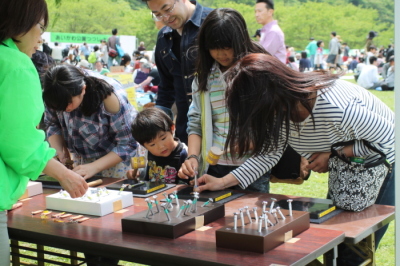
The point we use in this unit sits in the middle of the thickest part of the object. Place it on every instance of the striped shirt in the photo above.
(342, 112)
(96, 135)
(220, 116)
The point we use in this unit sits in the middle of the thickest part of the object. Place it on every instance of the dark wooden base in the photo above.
(158, 224)
(249, 239)
(138, 187)
(205, 195)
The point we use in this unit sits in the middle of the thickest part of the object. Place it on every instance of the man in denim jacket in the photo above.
(173, 56)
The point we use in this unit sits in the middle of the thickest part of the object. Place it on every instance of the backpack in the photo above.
(92, 58)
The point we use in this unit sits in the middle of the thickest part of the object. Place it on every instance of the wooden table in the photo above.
(357, 226)
(103, 236)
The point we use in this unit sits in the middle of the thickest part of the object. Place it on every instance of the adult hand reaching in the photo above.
(73, 183)
(208, 182)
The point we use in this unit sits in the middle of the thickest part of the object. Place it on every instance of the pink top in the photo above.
(273, 40)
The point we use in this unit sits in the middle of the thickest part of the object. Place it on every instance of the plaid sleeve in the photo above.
(125, 145)
(51, 122)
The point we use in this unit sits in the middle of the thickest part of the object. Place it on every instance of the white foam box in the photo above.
(33, 189)
(108, 202)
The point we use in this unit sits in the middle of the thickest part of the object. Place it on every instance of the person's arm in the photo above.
(194, 131)
(72, 182)
(107, 161)
(57, 142)
(166, 91)
(24, 152)
(145, 82)
(120, 112)
(371, 128)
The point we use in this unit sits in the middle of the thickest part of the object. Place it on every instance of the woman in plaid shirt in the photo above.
(88, 116)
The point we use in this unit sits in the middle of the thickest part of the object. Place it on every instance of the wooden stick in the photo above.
(95, 183)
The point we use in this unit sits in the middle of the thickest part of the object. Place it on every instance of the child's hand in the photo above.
(132, 174)
(187, 168)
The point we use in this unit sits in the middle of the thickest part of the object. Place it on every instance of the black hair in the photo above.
(333, 33)
(269, 3)
(262, 97)
(291, 59)
(222, 28)
(361, 59)
(17, 17)
(95, 48)
(372, 59)
(303, 54)
(125, 59)
(371, 47)
(62, 82)
(149, 123)
(114, 31)
(319, 43)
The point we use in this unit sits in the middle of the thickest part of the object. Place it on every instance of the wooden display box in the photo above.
(158, 224)
(101, 205)
(249, 239)
(33, 189)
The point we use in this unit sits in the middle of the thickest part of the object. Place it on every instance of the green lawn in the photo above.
(317, 187)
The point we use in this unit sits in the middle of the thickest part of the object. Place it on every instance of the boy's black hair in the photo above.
(372, 59)
(149, 123)
(319, 43)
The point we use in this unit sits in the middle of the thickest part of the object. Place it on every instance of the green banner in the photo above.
(77, 37)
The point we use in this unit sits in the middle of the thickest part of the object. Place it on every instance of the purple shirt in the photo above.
(273, 40)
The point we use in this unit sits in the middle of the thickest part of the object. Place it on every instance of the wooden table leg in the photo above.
(75, 254)
(15, 261)
(330, 257)
(40, 255)
(366, 250)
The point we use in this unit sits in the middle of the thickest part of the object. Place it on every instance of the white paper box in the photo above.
(33, 189)
(93, 203)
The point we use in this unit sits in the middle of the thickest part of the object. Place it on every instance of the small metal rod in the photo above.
(164, 206)
(255, 214)
(241, 216)
(235, 220)
(272, 205)
(290, 206)
(181, 208)
(248, 213)
(207, 202)
(280, 213)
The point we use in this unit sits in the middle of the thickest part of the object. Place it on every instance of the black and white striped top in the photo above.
(342, 112)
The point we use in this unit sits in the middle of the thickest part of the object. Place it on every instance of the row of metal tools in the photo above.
(188, 206)
(267, 218)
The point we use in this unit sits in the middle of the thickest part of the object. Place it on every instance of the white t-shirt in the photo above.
(368, 76)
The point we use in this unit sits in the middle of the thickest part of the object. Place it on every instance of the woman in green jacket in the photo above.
(24, 154)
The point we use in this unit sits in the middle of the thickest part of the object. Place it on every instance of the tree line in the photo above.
(299, 19)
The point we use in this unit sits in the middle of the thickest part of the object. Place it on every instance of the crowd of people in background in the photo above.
(104, 143)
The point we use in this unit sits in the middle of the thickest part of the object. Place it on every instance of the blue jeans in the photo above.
(110, 61)
(346, 257)
(312, 58)
(260, 185)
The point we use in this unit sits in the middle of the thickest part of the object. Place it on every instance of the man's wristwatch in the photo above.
(193, 156)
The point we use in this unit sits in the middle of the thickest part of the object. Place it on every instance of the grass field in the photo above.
(317, 187)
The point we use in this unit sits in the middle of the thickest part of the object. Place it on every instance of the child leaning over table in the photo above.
(154, 130)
